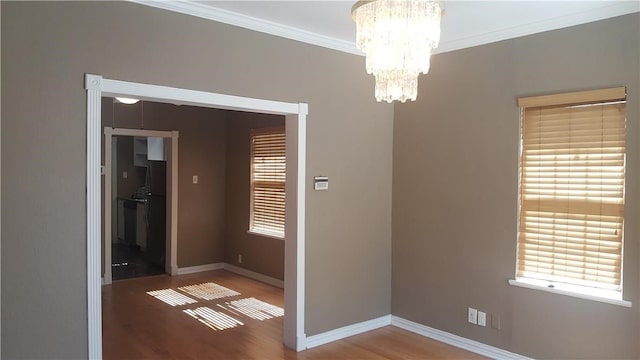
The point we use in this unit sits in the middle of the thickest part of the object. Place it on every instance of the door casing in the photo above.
(295, 122)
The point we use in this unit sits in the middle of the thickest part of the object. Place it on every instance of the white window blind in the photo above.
(268, 173)
(572, 181)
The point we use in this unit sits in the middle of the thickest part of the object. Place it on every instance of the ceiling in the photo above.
(465, 23)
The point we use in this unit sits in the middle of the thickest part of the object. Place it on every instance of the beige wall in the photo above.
(262, 254)
(455, 159)
(201, 152)
(216, 145)
(47, 47)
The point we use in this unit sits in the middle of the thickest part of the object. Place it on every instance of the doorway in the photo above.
(131, 246)
(295, 119)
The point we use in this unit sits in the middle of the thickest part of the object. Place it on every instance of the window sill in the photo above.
(272, 236)
(605, 296)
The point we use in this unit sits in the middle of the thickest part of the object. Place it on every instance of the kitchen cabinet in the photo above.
(147, 148)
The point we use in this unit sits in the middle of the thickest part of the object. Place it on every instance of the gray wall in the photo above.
(46, 50)
(262, 254)
(455, 159)
(201, 152)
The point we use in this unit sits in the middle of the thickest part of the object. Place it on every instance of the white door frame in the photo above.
(171, 252)
(295, 121)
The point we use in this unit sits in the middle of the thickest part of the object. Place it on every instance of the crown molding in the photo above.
(253, 23)
(601, 13)
(613, 9)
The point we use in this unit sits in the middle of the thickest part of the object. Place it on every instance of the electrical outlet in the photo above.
(472, 316)
(239, 258)
(195, 179)
(482, 318)
(124, 175)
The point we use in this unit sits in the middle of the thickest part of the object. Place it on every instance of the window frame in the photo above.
(600, 96)
(252, 229)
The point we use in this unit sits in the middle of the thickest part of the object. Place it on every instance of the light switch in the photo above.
(482, 318)
(124, 175)
(195, 179)
(472, 316)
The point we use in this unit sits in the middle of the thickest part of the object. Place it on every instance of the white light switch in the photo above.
(482, 318)
(195, 179)
(124, 175)
(472, 316)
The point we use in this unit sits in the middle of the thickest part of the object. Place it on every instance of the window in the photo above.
(268, 172)
(572, 182)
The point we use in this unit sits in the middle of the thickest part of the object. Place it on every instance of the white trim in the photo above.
(558, 289)
(199, 268)
(142, 132)
(303, 111)
(270, 236)
(617, 8)
(94, 242)
(172, 252)
(210, 12)
(179, 96)
(455, 340)
(109, 219)
(254, 275)
(234, 269)
(296, 113)
(347, 331)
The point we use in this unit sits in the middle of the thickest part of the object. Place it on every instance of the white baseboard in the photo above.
(359, 328)
(234, 269)
(199, 268)
(455, 340)
(346, 331)
(254, 275)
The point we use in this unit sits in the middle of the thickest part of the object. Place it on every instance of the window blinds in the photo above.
(268, 173)
(572, 177)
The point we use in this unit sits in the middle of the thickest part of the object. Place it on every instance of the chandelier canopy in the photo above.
(397, 37)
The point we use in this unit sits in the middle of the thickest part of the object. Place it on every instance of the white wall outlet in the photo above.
(125, 175)
(239, 258)
(482, 318)
(472, 316)
(195, 179)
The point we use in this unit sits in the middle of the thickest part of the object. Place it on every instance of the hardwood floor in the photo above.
(137, 325)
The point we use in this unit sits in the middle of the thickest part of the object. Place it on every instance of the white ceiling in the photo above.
(465, 24)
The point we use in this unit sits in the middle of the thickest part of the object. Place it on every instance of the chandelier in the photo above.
(397, 37)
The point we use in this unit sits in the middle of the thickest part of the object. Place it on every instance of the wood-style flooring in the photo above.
(137, 325)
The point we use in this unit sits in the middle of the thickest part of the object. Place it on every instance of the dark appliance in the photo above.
(156, 182)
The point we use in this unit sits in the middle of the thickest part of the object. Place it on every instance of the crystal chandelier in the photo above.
(397, 37)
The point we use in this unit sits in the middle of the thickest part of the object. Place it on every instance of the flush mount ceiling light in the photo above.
(128, 101)
(397, 37)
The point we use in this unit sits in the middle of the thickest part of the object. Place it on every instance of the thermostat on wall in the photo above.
(321, 183)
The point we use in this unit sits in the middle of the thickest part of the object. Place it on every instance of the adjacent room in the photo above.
(480, 202)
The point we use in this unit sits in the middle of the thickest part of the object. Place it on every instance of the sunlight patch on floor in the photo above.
(171, 297)
(208, 291)
(213, 319)
(255, 308)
